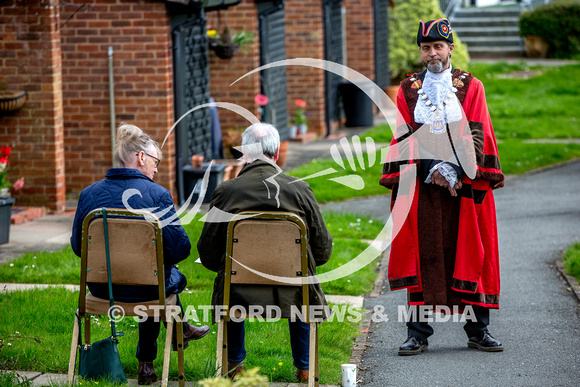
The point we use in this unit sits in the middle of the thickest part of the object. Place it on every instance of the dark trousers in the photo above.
(299, 341)
(148, 334)
(423, 330)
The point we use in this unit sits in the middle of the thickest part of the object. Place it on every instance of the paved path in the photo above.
(538, 323)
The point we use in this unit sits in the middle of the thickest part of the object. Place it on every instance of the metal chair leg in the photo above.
(73, 350)
(167, 353)
(180, 370)
(221, 352)
(313, 372)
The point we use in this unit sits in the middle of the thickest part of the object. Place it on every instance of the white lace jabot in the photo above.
(437, 86)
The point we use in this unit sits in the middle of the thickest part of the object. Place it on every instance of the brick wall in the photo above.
(30, 60)
(225, 71)
(305, 39)
(360, 40)
(139, 32)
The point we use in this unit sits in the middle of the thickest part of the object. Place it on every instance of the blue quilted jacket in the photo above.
(109, 193)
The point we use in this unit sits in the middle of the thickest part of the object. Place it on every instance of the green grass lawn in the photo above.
(517, 157)
(327, 190)
(541, 106)
(63, 266)
(572, 261)
(48, 316)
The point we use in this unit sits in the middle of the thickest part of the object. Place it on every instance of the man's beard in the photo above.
(437, 67)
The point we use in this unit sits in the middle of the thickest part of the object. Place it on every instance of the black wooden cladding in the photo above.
(273, 49)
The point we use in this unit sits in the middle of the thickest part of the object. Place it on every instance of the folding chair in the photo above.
(273, 243)
(136, 256)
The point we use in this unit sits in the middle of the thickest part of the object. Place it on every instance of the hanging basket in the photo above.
(11, 101)
(224, 51)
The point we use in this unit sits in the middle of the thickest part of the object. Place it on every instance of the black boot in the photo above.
(413, 346)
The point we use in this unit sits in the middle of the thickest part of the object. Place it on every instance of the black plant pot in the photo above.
(224, 51)
(5, 213)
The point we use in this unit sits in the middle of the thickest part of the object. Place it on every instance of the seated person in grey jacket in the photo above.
(262, 186)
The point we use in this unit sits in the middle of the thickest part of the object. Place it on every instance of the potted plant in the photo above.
(10, 101)
(552, 30)
(232, 138)
(226, 44)
(300, 119)
(6, 201)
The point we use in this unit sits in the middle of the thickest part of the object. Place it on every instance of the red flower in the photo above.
(5, 151)
(300, 103)
(261, 100)
(3, 160)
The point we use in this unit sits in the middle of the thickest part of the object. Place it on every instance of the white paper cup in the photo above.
(348, 375)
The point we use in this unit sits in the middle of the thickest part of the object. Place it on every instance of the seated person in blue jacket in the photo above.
(138, 156)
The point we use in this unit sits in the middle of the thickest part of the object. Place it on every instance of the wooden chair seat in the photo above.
(100, 306)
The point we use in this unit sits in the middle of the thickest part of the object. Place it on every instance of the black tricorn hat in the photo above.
(434, 30)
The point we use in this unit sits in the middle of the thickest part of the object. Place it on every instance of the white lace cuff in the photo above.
(447, 171)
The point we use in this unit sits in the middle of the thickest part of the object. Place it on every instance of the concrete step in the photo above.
(486, 12)
(500, 41)
(485, 22)
(464, 32)
(494, 52)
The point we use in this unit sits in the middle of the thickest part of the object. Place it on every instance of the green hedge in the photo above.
(558, 23)
(404, 54)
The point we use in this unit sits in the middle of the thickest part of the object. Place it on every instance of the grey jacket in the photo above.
(251, 191)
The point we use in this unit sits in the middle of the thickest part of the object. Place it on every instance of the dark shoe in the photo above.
(234, 370)
(191, 332)
(485, 342)
(146, 374)
(302, 375)
(413, 346)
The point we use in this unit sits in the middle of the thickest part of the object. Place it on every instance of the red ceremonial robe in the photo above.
(445, 251)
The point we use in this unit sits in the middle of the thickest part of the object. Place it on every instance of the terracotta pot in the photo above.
(536, 47)
(283, 153)
(392, 92)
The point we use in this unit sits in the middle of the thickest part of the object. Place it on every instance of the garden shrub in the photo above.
(558, 23)
(404, 54)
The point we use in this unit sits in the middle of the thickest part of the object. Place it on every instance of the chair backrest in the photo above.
(266, 248)
(272, 247)
(135, 246)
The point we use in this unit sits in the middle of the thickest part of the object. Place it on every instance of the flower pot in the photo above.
(283, 153)
(536, 47)
(5, 213)
(292, 131)
(392, 92)
(10, 101)
(302, 129)
(224, 51)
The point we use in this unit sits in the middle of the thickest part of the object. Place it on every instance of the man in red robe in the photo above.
(442, 167)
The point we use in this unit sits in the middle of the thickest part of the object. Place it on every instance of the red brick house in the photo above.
(58, 52)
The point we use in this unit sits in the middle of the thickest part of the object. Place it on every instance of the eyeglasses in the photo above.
(157, 160)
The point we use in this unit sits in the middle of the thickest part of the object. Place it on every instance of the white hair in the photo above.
(260, 140)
